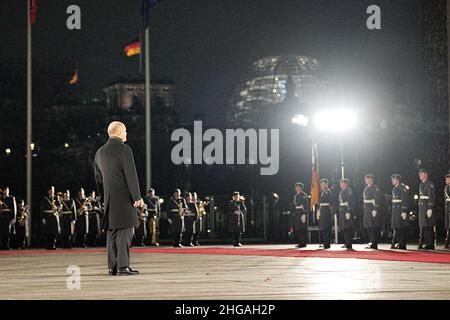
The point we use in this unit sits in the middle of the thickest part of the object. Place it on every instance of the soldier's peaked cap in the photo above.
(370, 176)
(345, 180)
(323, 180)
(423, 170)
(299, 184)
(151, 190)
(177, 190)
(396, 176)
(448, 174)
(236, 193)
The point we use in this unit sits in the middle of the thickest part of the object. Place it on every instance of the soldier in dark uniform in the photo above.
(400, 207)
(82, 222)
(324, 215)
(300, 209)
(154, 212)
(201, 211)
(372, 215)
(236, 218)
(67, 220)
(346, 212)
(94, 214)
(21, 225)
(427, 216)
(140, 231)
(50, 210)
(8, 214)
(175, 211)
(189, 217)
(447, 209)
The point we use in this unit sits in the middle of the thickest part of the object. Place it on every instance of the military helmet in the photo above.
(299, 184)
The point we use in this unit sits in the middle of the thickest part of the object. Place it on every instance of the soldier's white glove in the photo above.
(404, 215)
(348, 216)
(429, 213)
(374, 213)
(303, 218)
(318, 215)
(13, 221)
(43, 221)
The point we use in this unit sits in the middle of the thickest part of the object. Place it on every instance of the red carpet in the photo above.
(387, 255)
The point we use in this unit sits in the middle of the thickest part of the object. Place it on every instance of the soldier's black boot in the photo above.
(195, 240)
(51, 242)
(176, 241)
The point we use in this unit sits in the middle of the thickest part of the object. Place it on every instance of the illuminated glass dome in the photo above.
(268, 85)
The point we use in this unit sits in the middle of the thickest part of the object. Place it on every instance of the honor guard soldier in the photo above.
(236, 218)
(427, 217)
(447, 209)
(82, 222)
(176, 208)
(140, 231)
(372, 216)
(22, 232)
(324, 215)
(300, 215)
(154, 211)
(94, 214)
(67, 220)
(50, 213)
(189, 217)
(400, 211)
(346, 212)
(198, 225)
(8, 213)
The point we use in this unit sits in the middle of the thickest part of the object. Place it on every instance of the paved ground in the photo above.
(180, 276)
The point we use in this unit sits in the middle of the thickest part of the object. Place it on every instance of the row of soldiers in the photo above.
(372, 222)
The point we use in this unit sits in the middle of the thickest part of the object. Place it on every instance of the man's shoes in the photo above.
(326, 247)
(429, 248)
(401, 248)
(349, 247)
(237, 245)
(113, 271)
(127, 272)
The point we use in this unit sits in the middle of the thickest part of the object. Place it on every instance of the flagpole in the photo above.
(29, 116)
(148, 122)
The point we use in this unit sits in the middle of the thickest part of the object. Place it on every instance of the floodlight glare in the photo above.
(300, 120)
(337, 120)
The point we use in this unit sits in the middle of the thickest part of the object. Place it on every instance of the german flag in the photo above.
(33, 10)
(133, 47)
(315, 177)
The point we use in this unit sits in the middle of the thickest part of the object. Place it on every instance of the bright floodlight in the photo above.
(300, 120)
(337, 120)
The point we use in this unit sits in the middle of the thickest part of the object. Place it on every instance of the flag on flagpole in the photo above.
(33, 11)
(133, 47)
(74, 78)
(315, 177)
(145, 11)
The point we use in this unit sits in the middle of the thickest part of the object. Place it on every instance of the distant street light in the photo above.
(8, 151)
(338, 120)
(300, 120)
(66, 145)
(32, 146)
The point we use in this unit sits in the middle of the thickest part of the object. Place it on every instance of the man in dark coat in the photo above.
(427, 216)
(346, 213)
(372, 215)
(236, 218)
(8, 214)
(300, 209)
(176, 207)
(117, 181)
(400, 207)
(324, 215)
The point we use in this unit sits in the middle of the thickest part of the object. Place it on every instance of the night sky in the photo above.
(206, 46)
